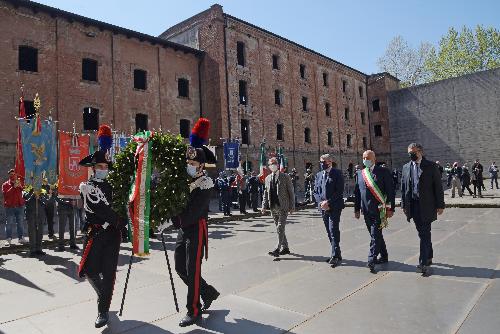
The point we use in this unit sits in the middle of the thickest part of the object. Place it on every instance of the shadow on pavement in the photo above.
(115, 325)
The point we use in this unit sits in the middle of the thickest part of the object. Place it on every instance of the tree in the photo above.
(406, 63)
(464, 52)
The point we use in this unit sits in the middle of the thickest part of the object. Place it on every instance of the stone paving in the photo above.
(300, 293)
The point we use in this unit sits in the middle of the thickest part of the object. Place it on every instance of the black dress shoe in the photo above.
(207, 302)
(74, 246)
(59, 249)
(189, 320)
(33, 254)
(429, 262)
(328, 260)
(381, 260)
(41, 253)
(334, 262)
(275, 253)
(285, 251)
(102, 319)
(371, 266)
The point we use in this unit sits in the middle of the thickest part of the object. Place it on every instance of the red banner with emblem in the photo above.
(72, 149)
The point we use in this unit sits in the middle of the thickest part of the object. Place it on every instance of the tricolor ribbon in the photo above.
(378, 194)
(140, 195)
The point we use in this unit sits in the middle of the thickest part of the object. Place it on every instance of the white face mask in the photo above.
(191, 170)
(101, 174)
(273, 167)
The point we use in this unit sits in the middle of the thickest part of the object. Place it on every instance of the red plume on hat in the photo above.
(199, 134)
(104, 137)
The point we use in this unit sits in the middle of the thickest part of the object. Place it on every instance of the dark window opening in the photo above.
(365, 143)
(360, 89)
(90, 119)
(346, 114)
(325, 79)
(330, 138)
(349, 140)
(376, 105)
(363, 118)
(29, 109)
(240, 53)
(184, 128)
(277, 97)
(304, 103)
(183, 87)
(302, 71)
(243, 92)
(378, 130)
(140, 79)
(327, 109)
(28, 59)
(344, 86)
(279, 132)
(307, 135)
(276, 62)
(89, 69)
(245, 131)
(141, 122)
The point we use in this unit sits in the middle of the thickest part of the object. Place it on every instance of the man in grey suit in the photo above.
(422, 199)
(280, 199)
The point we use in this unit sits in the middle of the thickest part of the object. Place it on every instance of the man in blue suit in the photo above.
(374, 194)
(329, 194)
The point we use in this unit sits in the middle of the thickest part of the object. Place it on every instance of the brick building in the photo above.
(254, 85)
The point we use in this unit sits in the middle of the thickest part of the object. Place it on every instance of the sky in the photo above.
(353, 32)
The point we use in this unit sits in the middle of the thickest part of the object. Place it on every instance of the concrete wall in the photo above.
(455, 119)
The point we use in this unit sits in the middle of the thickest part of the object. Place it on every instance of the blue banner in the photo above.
(231, 155)
(39, 152)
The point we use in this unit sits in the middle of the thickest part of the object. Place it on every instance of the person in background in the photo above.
(494, 174)
(225, 190)
(456, 176)
(35, 215)
(308, 186)
(466, 179)
(50, 207)
(448, 174)
(253, 190)
(395, 178)
(66, 213)
(441, 169)
(477, 169)
(241, 188)
(219, 192)
(13, 203)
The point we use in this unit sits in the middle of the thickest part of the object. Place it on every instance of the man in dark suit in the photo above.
(374, 188)
(422, 198)
(329, 194)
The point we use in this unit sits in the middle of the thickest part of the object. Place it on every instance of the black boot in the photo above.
(189, 320)
(208, 301)
(102, 319)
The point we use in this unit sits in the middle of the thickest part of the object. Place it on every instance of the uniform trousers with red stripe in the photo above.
(99, 262)
(189, 251)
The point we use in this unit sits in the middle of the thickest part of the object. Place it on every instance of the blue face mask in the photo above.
(191, 170)
(101, 173)
(368, 163)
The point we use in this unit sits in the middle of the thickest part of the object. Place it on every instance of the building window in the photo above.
(376, 105)
(360, 90)
(276, 62)
(378, 130)
(183, 87)
(141, 122)
(279, 132)
(349, 140)
(346, 114)
(89, 69)
(363, 118)
(325, 79)
(90, 119)
(245, 132)
(29, 109)
(307, 135)
(365, 143)
(344, 86)
(240, 53)
(330, 138)
(243, 92)
(28, 59)
(277, 97)
(302, 71)
(140, 79)
(184, 127)
(304, 103)
(327, 109)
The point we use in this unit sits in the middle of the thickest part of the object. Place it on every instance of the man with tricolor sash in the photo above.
(374, 196)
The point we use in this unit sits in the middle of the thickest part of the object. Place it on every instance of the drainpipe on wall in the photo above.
(200, 59)
(227, 80)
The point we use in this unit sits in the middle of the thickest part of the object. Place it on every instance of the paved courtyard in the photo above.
(300, 293)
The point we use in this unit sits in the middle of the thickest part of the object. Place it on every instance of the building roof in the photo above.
(381, 75)
(294, 43)
(55, 12)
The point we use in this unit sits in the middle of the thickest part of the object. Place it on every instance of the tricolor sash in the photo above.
(139, 199)
(378, 194)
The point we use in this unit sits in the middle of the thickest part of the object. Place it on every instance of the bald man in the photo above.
(374, 192)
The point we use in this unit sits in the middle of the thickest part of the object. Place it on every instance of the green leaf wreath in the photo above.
(170, 181)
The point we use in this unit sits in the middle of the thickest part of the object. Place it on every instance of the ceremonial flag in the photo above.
(263, 170)
(231, 155)
(139, 200)
(72, 149)
(19, 166)
(39, 152)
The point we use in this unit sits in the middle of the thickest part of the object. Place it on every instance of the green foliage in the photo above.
(169, 192)
(464, 52)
